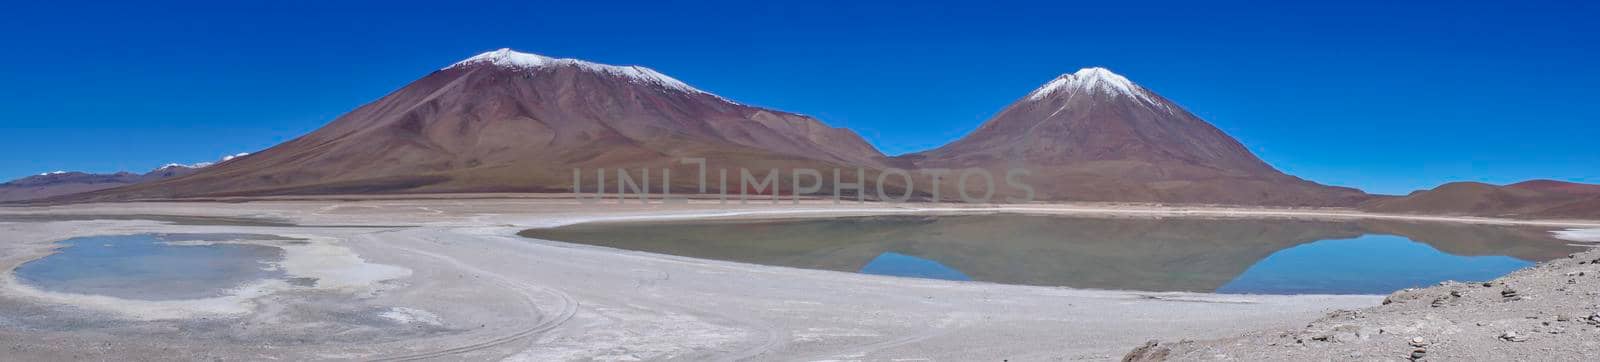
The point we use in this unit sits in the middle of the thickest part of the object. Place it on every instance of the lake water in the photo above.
(151, 267)
(1168, 254)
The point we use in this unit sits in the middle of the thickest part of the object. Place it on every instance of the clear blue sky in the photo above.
(1385, 96)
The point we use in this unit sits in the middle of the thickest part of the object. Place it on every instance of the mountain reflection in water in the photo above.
(1152, 254)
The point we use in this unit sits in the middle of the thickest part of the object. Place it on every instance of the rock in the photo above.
(1419, 342)
(1513, 336)
(1563, 318)
(1510, 295)
(1418, 354)
(1400, 296)
(1346, 337)
(1150, 351)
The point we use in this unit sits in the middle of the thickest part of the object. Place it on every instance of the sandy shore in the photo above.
(476, 291)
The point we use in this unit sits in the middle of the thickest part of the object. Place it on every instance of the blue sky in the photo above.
(1385, 96)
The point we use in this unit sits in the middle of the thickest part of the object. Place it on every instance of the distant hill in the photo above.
(1532, 199)
(63, 183)
(1557, 186)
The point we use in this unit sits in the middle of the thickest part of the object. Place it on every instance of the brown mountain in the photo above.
(1541, 199)
(63, 183)
(1557, 187)
(60, 183)
(1095, 136)
(505, 121)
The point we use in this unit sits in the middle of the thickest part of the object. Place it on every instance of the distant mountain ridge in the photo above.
(62, 183)
(1529, 199)
(1558, 187)
(66, 183)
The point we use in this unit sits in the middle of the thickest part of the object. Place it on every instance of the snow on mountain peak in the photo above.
(199, 165)
(1095, 79)
(505, 57)
(179, 165)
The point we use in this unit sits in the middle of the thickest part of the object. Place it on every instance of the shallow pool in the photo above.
(153, 266)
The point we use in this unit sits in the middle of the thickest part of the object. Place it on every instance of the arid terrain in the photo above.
(1530, 199)
(1548, 312)
(447, 277)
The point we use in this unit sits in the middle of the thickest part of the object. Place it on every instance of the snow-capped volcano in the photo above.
(1094, 135)
(505, 57)
(1094, 79)
(507, 121)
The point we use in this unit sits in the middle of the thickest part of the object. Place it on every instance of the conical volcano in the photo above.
(1093, 135)
(505, 121)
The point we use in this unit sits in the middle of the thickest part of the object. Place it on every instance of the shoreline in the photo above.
(822, 206)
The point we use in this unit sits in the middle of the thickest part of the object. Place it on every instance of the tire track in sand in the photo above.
(568, 308)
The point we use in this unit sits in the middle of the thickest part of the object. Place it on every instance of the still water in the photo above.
(1166, 254)
(152, 266)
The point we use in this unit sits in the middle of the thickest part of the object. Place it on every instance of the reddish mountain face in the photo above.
(505, 121)
(1532, 199)
(1557, 186)
(1095, 136)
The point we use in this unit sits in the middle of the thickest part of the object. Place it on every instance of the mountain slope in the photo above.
(1093, 135)
(505, 121)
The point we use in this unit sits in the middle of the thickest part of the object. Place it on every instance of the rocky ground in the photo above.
(1547, 312)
